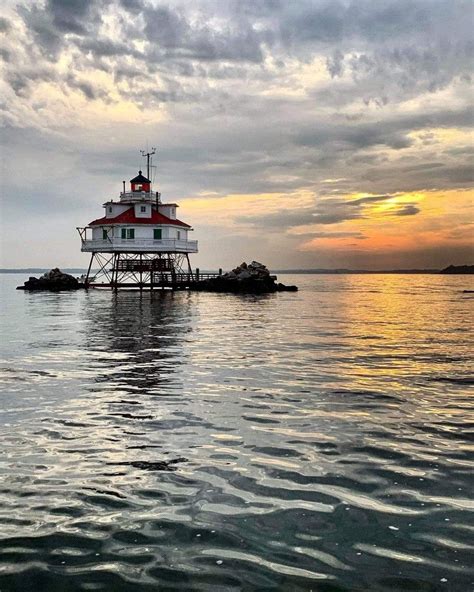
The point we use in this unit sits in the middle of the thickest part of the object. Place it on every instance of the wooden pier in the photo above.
(144, 278)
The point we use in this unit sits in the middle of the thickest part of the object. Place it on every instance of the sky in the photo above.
(300, 133)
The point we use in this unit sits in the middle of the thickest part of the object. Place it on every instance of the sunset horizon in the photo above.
(305, 135)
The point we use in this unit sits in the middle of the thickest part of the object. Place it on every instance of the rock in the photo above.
(54, 281)
(244, 275)
(257, 265)
(253, 278)
(231, 275)
(283, 288)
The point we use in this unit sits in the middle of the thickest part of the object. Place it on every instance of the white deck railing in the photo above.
(140, 244)
(139, 196)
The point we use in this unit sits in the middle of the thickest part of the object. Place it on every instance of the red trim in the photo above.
(128, 217)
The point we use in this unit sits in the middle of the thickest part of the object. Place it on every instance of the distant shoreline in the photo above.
(452, 269)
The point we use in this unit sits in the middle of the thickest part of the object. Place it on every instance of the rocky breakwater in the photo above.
(54, 281)
(253, 278)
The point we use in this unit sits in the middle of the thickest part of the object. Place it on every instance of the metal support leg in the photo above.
(86, 282)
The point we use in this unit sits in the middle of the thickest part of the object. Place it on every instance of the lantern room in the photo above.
(140, 183)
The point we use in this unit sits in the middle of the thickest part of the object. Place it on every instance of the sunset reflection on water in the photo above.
(202, 440)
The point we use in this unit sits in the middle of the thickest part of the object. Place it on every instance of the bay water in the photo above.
(318, 440)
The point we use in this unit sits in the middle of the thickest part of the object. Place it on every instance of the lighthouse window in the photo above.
(105, 236)
(128, 233)
(179, 234)
(157, 233)
(110, 209)
(142, 208)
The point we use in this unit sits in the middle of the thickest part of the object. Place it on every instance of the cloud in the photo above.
(325, 212)
(248, 97)
(5, 25)
(89, 90)
(49, 24)
(408, 210)
(382, 51)
(368, 200)
(320, 234)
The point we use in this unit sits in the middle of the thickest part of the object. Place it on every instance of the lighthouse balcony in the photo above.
(139, 196)
(139, 245)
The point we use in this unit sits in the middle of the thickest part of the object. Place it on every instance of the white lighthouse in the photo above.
(139, 242)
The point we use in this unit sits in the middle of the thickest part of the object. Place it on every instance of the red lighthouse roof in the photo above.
(128, 217)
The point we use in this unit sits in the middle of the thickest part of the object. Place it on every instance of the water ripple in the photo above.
(312, 441)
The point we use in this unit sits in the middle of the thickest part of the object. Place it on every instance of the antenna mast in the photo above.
(148, 154)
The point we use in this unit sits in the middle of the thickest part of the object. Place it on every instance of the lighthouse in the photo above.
(139, 242)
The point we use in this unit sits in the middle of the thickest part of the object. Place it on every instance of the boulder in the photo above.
(256, 265)
(253, 278)
(230, 275)
(244, 275)
(54, 281)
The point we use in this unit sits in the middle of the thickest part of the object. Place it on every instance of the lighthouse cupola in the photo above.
(140, 183)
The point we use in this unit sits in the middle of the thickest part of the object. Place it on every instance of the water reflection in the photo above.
(203, 441)
(144, 333)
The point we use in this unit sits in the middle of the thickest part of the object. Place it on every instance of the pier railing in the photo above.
(156, 279)
(183, 279)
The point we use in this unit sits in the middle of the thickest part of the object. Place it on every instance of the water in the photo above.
(318, 440)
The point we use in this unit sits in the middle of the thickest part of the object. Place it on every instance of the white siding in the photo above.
(143, 210)
(168, 210)
(116, 209)
(141, 231)
(97, 232)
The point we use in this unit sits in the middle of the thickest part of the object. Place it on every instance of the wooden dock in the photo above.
(157, 280)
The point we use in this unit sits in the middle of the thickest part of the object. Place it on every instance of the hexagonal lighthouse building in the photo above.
(139, 242)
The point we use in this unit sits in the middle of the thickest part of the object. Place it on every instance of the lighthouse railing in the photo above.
(140, 196)
(140, 244)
